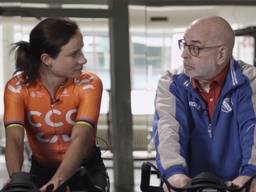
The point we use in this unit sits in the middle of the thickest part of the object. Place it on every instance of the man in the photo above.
(205, 116)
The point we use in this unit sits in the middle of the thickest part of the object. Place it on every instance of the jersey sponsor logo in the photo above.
(65, 93)
(194, 105)
(48, 120)
(226, 105)
(53, 139)
(84, 81)
(68, 116)
(14, 89)
(89, 86)
(35, 113)
(36, 94)
(48, 115)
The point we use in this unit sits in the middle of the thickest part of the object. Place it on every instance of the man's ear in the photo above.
(222, 55)
(46, 59)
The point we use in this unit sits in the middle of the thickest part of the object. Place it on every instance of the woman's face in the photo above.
(69, 62)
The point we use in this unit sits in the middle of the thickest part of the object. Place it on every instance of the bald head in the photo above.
(214, 39)
(215, 30)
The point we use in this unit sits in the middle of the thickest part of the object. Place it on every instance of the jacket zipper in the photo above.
(210, 130)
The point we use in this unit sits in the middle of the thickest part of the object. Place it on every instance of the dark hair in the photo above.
(46, 37)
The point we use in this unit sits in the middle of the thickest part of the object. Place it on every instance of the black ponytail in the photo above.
(24, 61)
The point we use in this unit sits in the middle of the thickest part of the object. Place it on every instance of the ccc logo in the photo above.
(47, 118)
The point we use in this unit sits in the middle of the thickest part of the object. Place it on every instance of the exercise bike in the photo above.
(204, 182)
(22, 182)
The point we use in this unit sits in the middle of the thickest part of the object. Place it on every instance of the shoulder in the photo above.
(248, 70)
(89, 76)
(88, 80)
(173, 77)
(15, 84)
(16, 78)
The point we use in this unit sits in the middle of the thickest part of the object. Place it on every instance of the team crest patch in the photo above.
(226, 106)
(194, 105)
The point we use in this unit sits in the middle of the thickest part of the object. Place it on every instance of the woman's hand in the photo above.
(51, 185)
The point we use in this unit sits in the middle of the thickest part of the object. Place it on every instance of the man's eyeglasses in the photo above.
(193, 49)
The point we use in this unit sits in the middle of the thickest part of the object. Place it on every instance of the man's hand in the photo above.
(241, 180)
(177, 180)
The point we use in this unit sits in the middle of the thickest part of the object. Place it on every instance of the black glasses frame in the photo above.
(193, 49)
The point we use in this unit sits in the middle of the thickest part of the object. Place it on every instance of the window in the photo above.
(244, 49)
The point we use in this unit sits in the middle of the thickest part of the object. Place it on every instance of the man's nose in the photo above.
(185, 52)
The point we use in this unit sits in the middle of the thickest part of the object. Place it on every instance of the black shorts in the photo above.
(95, 169)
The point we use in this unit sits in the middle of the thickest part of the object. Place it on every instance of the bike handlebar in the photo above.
(81, 171)
(202, 181)
(22, 182)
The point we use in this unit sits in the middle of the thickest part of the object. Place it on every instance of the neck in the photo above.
(205, 85)
(51, 81)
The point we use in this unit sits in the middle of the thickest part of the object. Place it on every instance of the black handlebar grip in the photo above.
(145, 177)
(50, 188)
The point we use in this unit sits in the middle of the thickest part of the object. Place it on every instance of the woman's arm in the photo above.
(14, 148)
(82, 140)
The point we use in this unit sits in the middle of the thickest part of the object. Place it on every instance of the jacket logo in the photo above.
(226, 106)
(194, 104)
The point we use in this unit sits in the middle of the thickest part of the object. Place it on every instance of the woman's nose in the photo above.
(82, 60)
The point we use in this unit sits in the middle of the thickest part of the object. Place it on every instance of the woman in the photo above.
(57, 104)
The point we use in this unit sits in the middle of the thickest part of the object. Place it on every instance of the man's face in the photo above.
(204, 65)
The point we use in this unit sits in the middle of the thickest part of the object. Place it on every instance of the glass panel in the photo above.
(1, 70)
(97, 53)
(244, 49)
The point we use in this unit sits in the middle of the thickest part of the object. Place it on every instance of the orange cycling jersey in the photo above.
(49, 123)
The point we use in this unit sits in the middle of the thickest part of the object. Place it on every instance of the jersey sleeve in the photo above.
(13, 103)
(90, 92)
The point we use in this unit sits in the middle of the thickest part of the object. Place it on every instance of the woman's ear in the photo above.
(46, 59)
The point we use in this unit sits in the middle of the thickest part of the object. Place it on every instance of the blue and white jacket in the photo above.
(188, 142)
